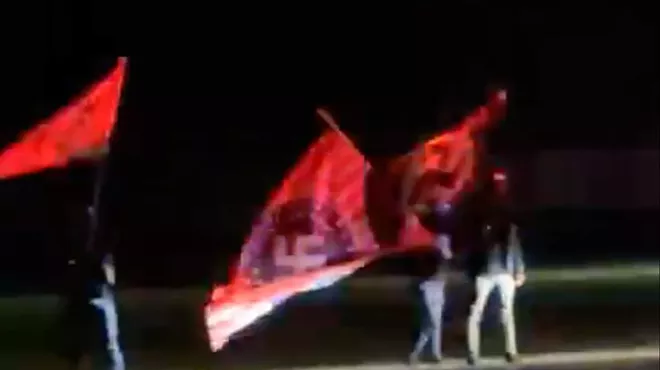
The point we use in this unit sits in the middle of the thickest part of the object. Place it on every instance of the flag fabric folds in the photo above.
(79, 130)
(453, 152)
(395, 188)
(311, 234)
(319, 226)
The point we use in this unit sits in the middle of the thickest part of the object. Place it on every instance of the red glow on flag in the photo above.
(311, 234)
(448, 152)
(323, 193)
(314, 230)
(77, 130)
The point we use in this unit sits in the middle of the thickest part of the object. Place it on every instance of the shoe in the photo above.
(511, 358)
(471, 360)
(413, 360)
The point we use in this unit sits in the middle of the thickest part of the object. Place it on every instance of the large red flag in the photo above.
(412, 176)
(449, 152)
(314, 231)
(311, 234)
(79, 129)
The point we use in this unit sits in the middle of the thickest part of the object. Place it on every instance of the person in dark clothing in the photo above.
(90, 285)
(79, 316)
(496, 263)
(90, 278)
(432, 286)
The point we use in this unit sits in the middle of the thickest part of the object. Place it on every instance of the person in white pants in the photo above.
(105, 303)
(498, 265)
(432, 288)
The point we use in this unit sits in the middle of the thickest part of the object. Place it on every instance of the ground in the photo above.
(589, 319)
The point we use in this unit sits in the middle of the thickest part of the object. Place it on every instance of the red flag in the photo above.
(80, 129)
(449, 152)
(454, 151)
(314, 232)
(412, 177)
(311, 234)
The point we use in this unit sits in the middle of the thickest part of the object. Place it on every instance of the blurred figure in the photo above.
(432, 286)
(105, 303)
(90, 293)
(79, 316)
(496, 263)
(91, 277)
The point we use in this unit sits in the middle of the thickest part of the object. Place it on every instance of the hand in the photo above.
(411, 220)
(520, 279)
(420, 208)
(110, 275)
(109, 271)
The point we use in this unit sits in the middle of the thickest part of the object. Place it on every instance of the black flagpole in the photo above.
(99, 180)
(93, 209)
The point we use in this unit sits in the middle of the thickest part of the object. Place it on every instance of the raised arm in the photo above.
(109, 269)
(444, 244)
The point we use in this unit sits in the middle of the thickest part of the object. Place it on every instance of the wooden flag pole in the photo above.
(330, 121)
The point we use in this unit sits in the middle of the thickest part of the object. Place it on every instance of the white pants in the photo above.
(485, 284)
(106, 304)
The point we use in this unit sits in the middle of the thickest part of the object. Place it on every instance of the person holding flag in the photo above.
(91, 278)
(432, 287)
(79, 131)
(77, 314)
(90, 290)
(105, 302)
(497, 263)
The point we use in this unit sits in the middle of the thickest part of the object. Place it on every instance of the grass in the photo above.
(362, 319)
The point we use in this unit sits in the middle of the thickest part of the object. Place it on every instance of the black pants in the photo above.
(79, 331)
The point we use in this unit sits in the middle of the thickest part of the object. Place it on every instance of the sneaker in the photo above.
(413, 360)
(511, 358)
(471, 360)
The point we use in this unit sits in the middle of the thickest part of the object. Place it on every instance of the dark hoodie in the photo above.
(496, 246)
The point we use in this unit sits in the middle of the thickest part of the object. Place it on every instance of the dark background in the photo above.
(218, 104)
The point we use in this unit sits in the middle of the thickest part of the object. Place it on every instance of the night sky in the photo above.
(216, 108)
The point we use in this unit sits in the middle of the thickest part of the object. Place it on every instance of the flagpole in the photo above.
(93, 209)
(330, 121)
(99, 180)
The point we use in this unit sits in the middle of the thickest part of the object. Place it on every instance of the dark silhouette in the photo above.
(496, 262)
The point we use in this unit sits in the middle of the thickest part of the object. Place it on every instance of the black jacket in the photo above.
(496, 244)
(85, 279)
